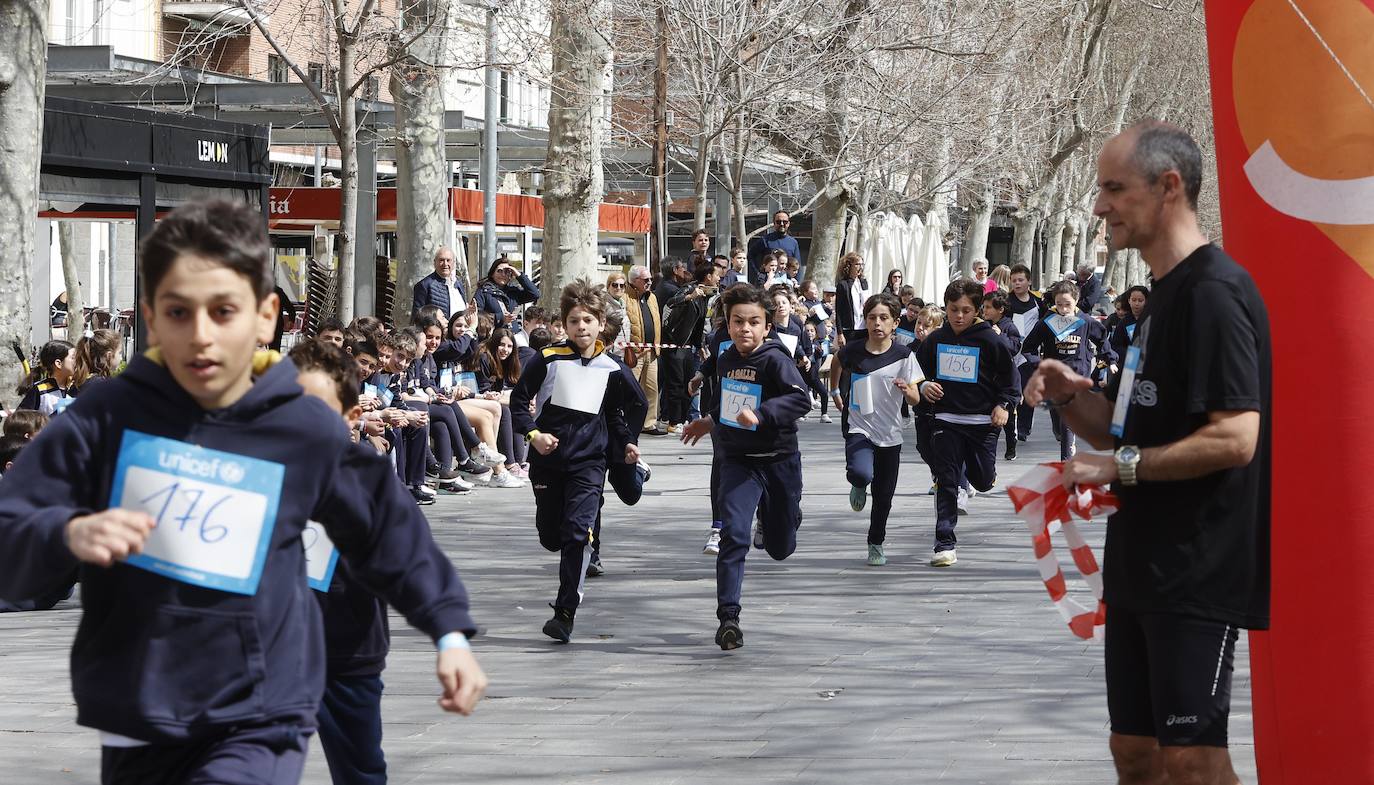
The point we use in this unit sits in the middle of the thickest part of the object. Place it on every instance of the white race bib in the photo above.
(578, 387)
(789, 342)
(215, 510)
(903, 337)
(1125, 390)
(468, 379)
(1025, 322)
(735, 395)
(1063, 326)
(956, 363)
(321, 557)
(861, 393)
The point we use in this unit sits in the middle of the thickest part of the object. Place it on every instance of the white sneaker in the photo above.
(961, 505)
(827, 418)
(712, 542)
(489, 456)
(505, 480)
(943, 559)
(455, 485)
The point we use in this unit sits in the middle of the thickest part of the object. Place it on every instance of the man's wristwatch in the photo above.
(1127, 459)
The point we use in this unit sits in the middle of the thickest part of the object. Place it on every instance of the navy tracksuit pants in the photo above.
(249, 755)
(566, 503)
(866, 464)
(773, 487)
(1025, 415)
(350, 718)
(410, 446)
(954, 452)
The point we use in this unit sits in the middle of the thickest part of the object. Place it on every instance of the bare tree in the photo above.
(23, 61)
(574, 181)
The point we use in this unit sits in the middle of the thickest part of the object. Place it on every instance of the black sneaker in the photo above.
(421, 498)
(448, 474)
(594, 569)
(560, 627)
(1021, 438)
(473, 469)
(729, 635)
(432, 470)
(1011, 451)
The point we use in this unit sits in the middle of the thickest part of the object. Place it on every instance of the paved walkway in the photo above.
(902, 674)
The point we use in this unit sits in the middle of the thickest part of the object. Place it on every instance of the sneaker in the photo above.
(858, 497)
(657, 430)
(729, 635)
(712, 542)
(475, 470)
(673, 430)
(455, 485)
(594, 568)
(1021, 438)
(758, 536)
(446, 475)
(827, 418)
(560, 627)
(644, 468)
(420, 498)
(876, 557)
(489, 456)
(943, 559)
(1011, 451)
(505, 480)
(518, 471)
(932, 490)
(426, 490)
(432, 470)
(961, 504)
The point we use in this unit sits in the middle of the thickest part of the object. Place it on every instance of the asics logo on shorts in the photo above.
(1190, 719)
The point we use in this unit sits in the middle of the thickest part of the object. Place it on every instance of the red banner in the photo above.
(1293, 99)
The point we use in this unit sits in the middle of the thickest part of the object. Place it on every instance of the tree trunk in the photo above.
(23, 60)
(827, 232)
(980, 221)
(1054, 244)
(348, 244)
(701, 169)
(1114, 274)
(573, 173)
(1024, 222)
(71, 279)
(422, 175)
(1072, 229)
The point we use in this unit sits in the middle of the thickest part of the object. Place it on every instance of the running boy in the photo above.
(1073, 338)
(997, 313)
(878, 375)
(970, 390)
(200, 657)
(581, 398)
(762, 395)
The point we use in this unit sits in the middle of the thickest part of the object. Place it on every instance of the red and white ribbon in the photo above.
(1046, 506)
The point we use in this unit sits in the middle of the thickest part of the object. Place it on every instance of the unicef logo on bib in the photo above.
(215, 511)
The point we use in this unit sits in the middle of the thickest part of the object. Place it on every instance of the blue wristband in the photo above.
(454, 640)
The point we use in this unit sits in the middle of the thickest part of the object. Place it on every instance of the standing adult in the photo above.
(851, 292)
(616, 303)
(980, 274)
(502, 293)
(1187, 556)
(286, 315)
(894, 283)
(684, 324)
(777, 239)
(645, 327)
(1089, 287)
(443, 288)
(675, 276)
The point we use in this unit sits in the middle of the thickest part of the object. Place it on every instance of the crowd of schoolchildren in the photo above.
(493, 395)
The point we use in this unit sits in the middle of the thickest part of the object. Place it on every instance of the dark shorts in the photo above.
(1169, 677)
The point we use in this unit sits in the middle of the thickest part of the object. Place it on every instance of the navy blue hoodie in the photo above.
(582, 436)
(995, 385)
(164, 661)
(784, 399)
(1077, 348)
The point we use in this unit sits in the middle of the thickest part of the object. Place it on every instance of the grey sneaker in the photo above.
(712, 542)
(876, 557)
(943, 559)
(858, 497)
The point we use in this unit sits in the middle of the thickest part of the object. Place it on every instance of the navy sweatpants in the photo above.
(1025, 415)
(566, 503)
(250, 755)
(866, 464)
(447, 434)
(773, 487)
(411, 446)
(953, 452)
(350, 718)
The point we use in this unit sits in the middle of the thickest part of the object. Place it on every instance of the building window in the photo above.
(316, 73)
(504, 112)
(371, 89)
(276, 69)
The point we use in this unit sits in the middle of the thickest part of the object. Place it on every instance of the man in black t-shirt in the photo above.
(1187, 556)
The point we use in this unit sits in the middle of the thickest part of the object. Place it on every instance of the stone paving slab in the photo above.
(901, 674)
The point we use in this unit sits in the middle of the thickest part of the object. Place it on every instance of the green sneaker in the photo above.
(858, 497)
(876, 557)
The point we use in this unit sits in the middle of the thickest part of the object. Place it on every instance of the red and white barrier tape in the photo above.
(634, 345)
(1046, 506)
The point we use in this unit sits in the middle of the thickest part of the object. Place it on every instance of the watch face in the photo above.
(1128, 454)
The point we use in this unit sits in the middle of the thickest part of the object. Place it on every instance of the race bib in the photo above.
(321, 557)
(386, 396)
(1024, 322)
(789, 342)
(468, 379)
(735, 395)
(956, 363)
(861, 393)
(1125, 390)
(446, 379)
(59, 405)
(818, 310)
(579, 387)
(1063, 326)
(723, 346)
(1130, 331)
(215, 510)
(903, 337)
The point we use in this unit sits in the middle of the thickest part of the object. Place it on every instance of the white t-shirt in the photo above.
(456, 303)
(856, 297)
(875, 403)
